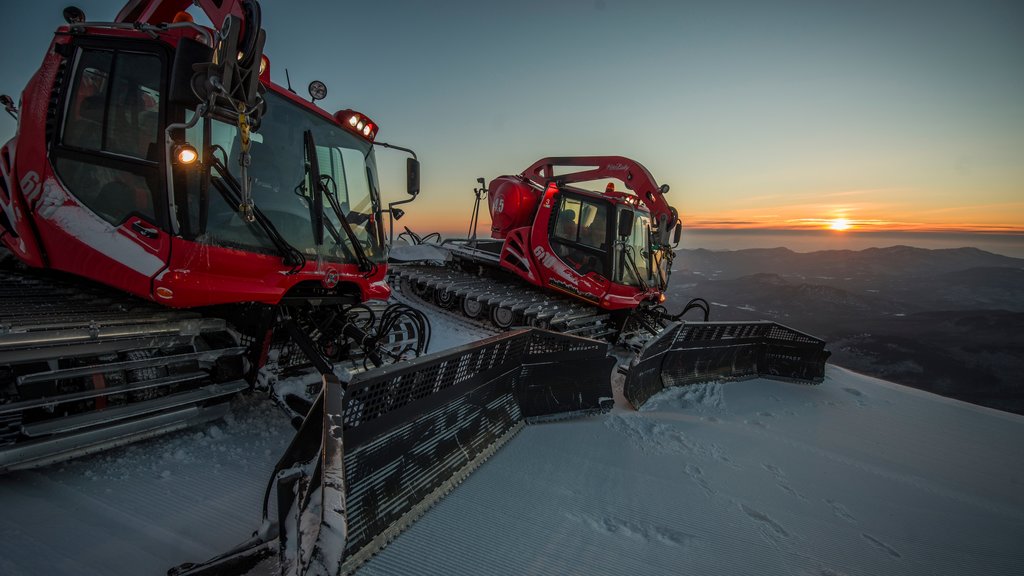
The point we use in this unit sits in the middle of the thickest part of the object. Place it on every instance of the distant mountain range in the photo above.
(949, 321)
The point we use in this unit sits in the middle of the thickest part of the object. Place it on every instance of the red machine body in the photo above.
(47, 222)
(513, 204)
(567, 239)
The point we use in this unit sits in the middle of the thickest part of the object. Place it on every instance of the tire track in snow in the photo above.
(645, 532)
(695, 473)
(860, 396)
(653, 437)
(782, 482)
(771, 530)
(882, 546)
(840, 511)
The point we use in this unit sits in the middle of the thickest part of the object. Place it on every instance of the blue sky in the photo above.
(777, 114)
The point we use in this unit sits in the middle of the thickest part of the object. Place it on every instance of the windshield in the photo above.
(281, 188)
(636, 263)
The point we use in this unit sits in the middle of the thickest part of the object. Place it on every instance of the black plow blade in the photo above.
(692, 352)
(371, 457)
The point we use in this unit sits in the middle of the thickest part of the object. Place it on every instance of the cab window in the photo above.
(580, 235)
(109, 147)
(633, 265)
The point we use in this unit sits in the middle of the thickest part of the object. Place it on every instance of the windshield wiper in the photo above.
(232, 191)
(319, 191)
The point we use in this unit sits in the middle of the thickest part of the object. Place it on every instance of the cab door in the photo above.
(103, 213)
(580, 235)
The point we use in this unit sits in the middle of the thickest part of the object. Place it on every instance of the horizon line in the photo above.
(853, 230)
(991, 231)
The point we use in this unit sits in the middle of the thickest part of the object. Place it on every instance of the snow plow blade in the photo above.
(692, 352)
(371, 457)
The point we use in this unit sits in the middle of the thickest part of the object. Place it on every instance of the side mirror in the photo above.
(625, 223)
(412, 176)
(675, 224)
(8, 103)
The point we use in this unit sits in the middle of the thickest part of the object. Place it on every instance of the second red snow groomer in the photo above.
(611, 248)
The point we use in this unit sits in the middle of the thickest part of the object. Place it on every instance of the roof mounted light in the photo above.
(357, 124)
(74, 15)
(317, 90)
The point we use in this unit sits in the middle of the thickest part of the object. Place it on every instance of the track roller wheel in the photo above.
(444, 299)
(421, 290)
(502, 317)
(472, 308)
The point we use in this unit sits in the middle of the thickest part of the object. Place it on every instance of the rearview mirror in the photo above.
(677, 233)
(625, 223)
(412, 176)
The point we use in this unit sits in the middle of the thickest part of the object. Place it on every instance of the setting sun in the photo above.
(839, 224)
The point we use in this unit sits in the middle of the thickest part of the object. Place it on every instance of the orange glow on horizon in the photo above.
(455, 223)
(851, 226)
(863, 210)
(839, 224)
(850, 212)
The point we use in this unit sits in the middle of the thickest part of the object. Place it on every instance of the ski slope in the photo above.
(855, 476)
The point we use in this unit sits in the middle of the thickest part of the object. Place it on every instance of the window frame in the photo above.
(154, 171)
(563, 246)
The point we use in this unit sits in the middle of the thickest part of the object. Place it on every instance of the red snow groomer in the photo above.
(609, 248)
(608, 252)
(597, 263)
(176, 219)
(174, 224)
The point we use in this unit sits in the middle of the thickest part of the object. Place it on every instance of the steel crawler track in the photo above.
(84, 368)
(504, 303)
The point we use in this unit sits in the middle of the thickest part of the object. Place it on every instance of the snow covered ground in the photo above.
(856, 476)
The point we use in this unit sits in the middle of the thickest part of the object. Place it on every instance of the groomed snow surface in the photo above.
(855, 476)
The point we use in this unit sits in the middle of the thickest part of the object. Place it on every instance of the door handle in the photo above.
(150, 233)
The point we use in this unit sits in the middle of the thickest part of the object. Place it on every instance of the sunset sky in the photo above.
(791, 115)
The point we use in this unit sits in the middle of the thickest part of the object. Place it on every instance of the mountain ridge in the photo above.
(948, 321)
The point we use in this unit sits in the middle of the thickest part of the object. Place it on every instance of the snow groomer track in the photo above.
(83, 368)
